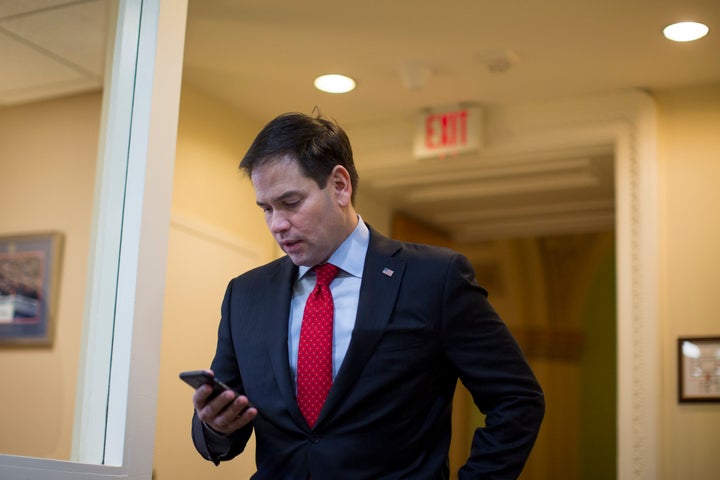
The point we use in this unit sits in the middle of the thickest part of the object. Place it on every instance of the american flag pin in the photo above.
(388, 272)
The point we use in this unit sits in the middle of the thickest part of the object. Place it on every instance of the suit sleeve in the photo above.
(492, 367)
(212, 446)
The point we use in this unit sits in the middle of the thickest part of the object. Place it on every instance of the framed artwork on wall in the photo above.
(699, 369)
(29, 276)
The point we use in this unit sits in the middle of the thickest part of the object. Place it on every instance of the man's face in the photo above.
(306, 221)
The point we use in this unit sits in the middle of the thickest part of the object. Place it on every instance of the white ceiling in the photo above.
(50, 48)
(262, 55)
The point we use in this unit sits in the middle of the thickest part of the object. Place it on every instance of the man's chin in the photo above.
(299, 256)
(298, 260)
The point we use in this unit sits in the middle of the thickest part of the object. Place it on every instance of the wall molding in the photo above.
(217, 236)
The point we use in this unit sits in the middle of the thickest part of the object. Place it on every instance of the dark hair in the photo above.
(316, 143)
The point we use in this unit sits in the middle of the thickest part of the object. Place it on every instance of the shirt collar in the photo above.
(350, 255)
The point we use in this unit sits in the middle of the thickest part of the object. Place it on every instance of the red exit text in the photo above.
(446, 130)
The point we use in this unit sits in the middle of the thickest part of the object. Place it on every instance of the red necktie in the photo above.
(314, 365)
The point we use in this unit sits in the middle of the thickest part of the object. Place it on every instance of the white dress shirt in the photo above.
(350, 259)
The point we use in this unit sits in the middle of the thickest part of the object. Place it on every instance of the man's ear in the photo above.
(339, 181)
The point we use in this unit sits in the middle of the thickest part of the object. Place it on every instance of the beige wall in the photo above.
(47, 162)
(689, 174)
(47, 172)
(208, 186)
(217, 232)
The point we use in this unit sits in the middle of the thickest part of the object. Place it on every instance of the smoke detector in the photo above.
(498, 60)
(415, 74)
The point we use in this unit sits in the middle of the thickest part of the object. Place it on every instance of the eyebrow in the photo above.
(282, 197)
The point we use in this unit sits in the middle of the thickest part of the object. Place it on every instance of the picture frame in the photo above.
(699, 369)
(29, 285)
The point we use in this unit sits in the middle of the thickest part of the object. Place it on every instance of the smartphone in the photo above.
(198, 378)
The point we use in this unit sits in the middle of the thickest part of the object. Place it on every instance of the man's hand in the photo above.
(226, 412)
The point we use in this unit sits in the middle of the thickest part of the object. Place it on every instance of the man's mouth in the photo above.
(289, 244)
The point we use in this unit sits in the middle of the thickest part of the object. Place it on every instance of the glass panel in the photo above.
(53, 55)
(91, 407)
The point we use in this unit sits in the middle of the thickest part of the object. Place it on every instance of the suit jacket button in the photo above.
(314, 439)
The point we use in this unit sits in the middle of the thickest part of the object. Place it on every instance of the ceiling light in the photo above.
(685, 31)
(334, 83)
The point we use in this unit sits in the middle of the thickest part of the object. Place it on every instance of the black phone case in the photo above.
(198, 378)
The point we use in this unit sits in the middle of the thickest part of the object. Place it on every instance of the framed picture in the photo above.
(699, 369)
(29, 274)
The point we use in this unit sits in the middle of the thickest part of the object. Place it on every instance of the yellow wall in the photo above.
(689, 174)
(47, 172)
(47, 162)
(208, 186)
(217, 232)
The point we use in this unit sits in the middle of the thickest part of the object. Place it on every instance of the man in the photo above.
(406, 321)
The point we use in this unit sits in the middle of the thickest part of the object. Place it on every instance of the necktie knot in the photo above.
(325, 273)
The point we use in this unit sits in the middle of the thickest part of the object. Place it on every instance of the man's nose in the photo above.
(279, 222)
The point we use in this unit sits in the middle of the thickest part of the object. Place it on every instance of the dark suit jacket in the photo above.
(388, 413)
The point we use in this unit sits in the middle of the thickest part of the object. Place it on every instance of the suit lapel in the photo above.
(382, 276)
(279, 288)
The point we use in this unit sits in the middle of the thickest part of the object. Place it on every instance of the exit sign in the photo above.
(447, 132)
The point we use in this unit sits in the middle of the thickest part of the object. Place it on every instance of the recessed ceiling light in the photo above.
(334, 83)
(685, 31)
